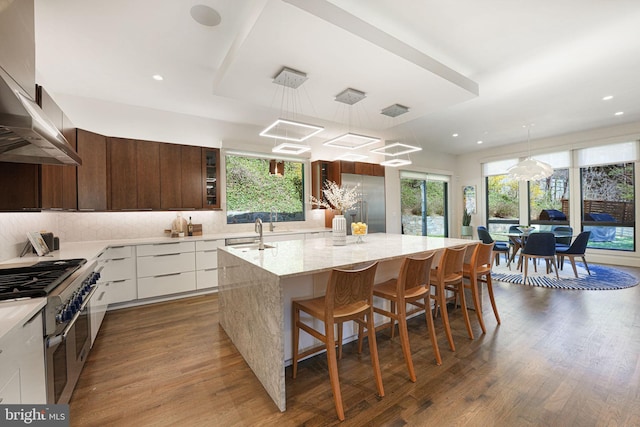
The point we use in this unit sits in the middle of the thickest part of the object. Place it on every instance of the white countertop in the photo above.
(92, 249)
(298, 257)
(15, 313)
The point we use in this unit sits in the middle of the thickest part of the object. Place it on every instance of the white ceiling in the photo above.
(478, 69)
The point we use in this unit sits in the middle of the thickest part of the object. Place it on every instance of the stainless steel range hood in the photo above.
(26, 134)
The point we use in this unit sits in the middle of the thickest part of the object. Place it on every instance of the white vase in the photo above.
(339, 230)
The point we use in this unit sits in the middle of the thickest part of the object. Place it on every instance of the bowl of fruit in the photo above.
(359, 229)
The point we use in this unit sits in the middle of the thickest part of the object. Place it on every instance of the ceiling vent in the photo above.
(290, 78)
(350, 96)
(394, 110)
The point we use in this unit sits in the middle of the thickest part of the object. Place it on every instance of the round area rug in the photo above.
(601, 278)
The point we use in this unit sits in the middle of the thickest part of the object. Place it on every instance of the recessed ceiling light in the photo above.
(455, 135)
(157, 77)
(205, 15)
(607, 98)
(619, 113)
(479, 142)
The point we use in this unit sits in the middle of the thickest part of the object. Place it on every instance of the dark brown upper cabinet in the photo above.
(148, 174)
(122, 174)
(192, 183)
(170, 176)
(92, 175)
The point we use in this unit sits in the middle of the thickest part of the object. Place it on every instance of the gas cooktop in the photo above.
(36, 280)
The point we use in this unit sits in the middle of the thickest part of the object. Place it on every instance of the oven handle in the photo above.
(57, 339)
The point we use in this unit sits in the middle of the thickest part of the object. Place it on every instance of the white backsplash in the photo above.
(87, 226)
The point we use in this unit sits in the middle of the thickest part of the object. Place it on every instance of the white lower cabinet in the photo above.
(173, 283)
(166, 268)
(207, 263)
(22, 377)
(122, 290)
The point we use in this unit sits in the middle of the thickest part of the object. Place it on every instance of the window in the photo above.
(253, 192)
(503, 208)
(549, 197)
(608, 195)
(423, 200)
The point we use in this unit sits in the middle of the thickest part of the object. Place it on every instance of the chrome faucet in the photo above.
(271, 215)
(258, 229)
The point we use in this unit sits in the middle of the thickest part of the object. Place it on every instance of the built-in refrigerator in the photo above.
(371, 207)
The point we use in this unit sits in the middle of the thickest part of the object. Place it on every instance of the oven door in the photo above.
(66, 352)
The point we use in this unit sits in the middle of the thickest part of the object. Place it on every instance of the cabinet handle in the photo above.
(156, 256)
(117, 247)
(210, 269)
(101, 295)
(163, 244)
(167, 275)
(119, 281)
(210, 250)
(118, 259)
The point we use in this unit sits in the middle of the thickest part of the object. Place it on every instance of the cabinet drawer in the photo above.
(208, 245)
(206, 259)
(166, 264)
(121, 291)
(167, 284)
(206, 279)
(118, 252)
(118, 269)
(166, 248)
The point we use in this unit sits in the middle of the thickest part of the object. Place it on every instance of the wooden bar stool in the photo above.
(479, 270)
(410, 287)
(349, 296)
(449, 273)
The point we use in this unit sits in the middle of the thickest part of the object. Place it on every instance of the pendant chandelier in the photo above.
(530, 169)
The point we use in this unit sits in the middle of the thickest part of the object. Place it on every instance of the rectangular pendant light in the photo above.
(396, 149)
(351, 141)
(395, 162)
(289, 148)
(291, 130)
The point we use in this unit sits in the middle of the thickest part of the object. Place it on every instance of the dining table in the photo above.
(519, 239)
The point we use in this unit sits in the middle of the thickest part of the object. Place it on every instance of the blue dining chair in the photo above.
(563, 234)
(498, 247)
(539, 246)
(577, 249)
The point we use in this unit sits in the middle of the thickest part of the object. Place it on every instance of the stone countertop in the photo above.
(300, 257)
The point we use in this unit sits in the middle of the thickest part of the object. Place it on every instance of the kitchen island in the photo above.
(256, 288)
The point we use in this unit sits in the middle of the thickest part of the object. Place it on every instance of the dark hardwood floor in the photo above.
(560, 358)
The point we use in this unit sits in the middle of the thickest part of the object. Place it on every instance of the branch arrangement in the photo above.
(337, 198)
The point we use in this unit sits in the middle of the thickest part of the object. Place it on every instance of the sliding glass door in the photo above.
(424, 204)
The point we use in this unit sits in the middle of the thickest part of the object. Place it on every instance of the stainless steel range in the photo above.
(68, 286)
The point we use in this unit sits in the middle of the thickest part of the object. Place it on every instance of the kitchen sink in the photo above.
(251, 247)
